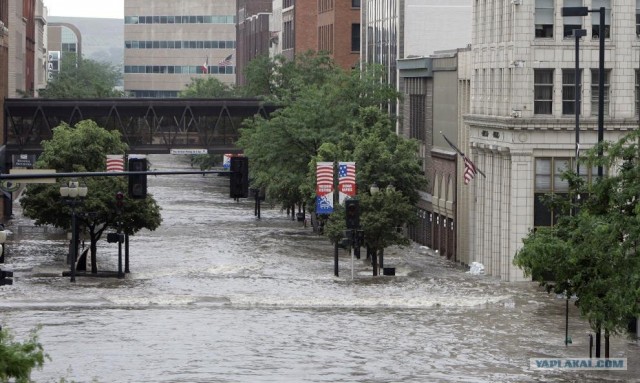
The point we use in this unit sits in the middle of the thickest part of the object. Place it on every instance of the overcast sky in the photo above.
(112, 9)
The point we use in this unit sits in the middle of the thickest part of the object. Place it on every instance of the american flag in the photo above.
(470, 170)
(115, 163)
(226, 61)
(205, 66)
(324, 177)
(347, 172)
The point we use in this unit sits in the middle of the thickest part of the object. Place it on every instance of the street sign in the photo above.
(188, 151)
(33, 180)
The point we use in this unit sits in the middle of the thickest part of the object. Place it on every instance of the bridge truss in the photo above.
(148, 126)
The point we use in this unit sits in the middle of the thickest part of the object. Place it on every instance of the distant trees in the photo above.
(83, 148)
(328, 114)
(83, 78)
(209, 87)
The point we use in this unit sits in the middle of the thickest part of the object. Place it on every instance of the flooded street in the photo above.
(215, 295)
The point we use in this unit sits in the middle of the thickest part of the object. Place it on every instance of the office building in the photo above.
(522, 130)
(168, 43)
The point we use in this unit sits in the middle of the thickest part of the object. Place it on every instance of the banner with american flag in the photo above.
(346, 181)
(115, 163)
(324, 188)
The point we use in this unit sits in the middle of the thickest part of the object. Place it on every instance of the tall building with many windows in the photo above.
(522, 130)
(167, 43)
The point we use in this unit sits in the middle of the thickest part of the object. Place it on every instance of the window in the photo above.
(594, 91)
(638, 18)
(417, 116)
(287, 35)
(355, 37)
(569, 91)
(637, 92)
(571, 22)
(548, 179)
(544, 18)
(543, 91)
(595, 19)
(355, 3)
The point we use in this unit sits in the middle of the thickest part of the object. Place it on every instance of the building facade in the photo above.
(169, 43)
(436, 94)
(522, 118)
(22, 47)
(339, 31)
(253, 33)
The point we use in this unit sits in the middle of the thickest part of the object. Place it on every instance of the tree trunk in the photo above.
(606, 344)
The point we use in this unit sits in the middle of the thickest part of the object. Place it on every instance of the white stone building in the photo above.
(522, 119)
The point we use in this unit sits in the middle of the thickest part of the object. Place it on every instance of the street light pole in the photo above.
(578, 33)
(601, 88)
(584, 11)
(72, 195)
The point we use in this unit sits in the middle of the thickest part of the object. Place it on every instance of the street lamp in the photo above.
(578, 33)
(72, 195)
(584, 11)
(374, 189)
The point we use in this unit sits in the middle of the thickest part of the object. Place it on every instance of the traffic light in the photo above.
(239, 177)
(138, 182)
(352, 208)
(119, 202)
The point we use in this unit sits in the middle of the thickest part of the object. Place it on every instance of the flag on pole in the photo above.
(205, 66)
(226, 61)
(115, 163)
(324, 188)
(470, 169)
(346, 180)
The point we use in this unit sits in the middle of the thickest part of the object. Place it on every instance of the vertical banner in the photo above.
(324, 188)
(346, 180)
(115, 163)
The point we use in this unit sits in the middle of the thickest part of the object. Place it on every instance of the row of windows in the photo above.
(179, 69)
(543, 90)
(178, 44)
(179, 19)
(545, 16)
(154, 93)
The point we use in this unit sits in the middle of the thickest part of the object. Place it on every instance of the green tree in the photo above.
(83, 78)
(320, 102)
(18, 359)
(387, 160)
(593, 251)
(210, 87)
(83, 148)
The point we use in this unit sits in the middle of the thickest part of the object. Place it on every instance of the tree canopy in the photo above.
(18, 359)
(329, 114)
(209, 87)
(83, 78)
(83, 148)
(593, 250)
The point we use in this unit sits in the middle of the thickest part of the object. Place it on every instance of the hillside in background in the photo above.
(102, 39)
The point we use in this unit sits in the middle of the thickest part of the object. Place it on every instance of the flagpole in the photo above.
(462, 154)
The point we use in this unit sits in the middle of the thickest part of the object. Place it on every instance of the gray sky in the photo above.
(112, 9)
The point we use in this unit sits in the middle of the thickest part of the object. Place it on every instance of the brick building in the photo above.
(253, 33)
